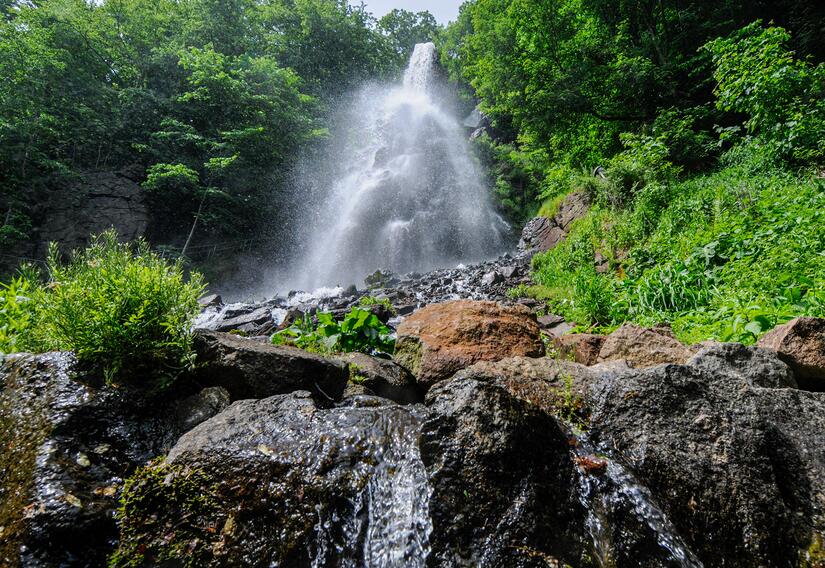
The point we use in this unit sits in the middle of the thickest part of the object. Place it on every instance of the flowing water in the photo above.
(404, 192)
(388, 525)
(621, 516)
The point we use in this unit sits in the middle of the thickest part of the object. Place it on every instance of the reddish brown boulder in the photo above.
(441, 339)
(582, 348)
(644, 347)
(801, 344)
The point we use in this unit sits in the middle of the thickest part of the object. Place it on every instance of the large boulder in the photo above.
(644, 347)
(503, 483)
(801, 344)
(734, 456)
(441, 339)
(254, 369)
(280, 482)
(66, 443)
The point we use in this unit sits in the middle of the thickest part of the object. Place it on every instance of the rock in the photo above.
(382, 377)
(210, 301)
(757, 367)
(509, 272)
(67, 443)
(250, 369)
(582, 348)
(492, 278)
(441, 339)
(738, 468)
(801, 344)
(283, 483)
(496, 463)
(542, 234)
(246, 322)
(644, 347)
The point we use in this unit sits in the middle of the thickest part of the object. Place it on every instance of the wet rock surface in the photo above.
(291, 485)
(67, 443)
(738, 468)
(382, 377)
(503, 482)
(441, 339)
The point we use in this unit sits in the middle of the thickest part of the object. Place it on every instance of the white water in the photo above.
(405, 193)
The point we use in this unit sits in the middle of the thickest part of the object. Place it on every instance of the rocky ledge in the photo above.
(484, 443)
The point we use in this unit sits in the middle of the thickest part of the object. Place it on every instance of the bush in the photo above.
(360, 330)
(16, 313)
(782, 97)
(119, 307)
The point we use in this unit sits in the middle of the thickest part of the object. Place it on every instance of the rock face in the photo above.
(66, 446)
(98, 201)
(738, 467)
(801, 344)
(253, 369)
(644, 347)
(542, 234)
(441, 339)
(287, 484)
(503, 482)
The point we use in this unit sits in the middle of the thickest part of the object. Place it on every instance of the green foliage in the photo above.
(782, 96)
(117, 306)
(727, 256)
(369, 301)
(17, 313)
(404, 29)
(360, 330)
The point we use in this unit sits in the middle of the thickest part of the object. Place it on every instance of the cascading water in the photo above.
(405, 192)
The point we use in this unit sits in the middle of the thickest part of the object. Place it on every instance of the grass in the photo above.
(726, 256)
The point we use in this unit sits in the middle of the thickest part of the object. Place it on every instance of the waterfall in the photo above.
(404, 192)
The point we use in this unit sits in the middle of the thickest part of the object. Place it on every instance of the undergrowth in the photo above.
(118, 306)
(360, 330)
(723, 256)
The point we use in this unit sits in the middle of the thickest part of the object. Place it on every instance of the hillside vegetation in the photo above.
(707, 125)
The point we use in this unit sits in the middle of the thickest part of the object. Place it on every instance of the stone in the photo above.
(251, 369)
(67, 442)
(437, 341)
(283, 483)
(509, 272)
(492, 278)
(739, 468)
(542, 234)
(247, 322)
(644, 347)
(801, 344)
(582, 348)
(382, 377)
(210, 301)
(496, 463)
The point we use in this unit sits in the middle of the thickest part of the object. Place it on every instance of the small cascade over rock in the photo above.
(404, 193)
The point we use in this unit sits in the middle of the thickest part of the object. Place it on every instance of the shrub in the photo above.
(17, 311)
(782, 97)
(360, 330)
(119, 307)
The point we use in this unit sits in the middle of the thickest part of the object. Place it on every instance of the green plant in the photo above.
(118, 306)
(360, 330)
(17, 312)
(369, 301)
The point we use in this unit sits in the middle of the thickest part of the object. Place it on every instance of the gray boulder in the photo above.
(253, 369)
(735, 457)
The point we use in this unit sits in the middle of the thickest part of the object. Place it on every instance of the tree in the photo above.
(405, 29)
